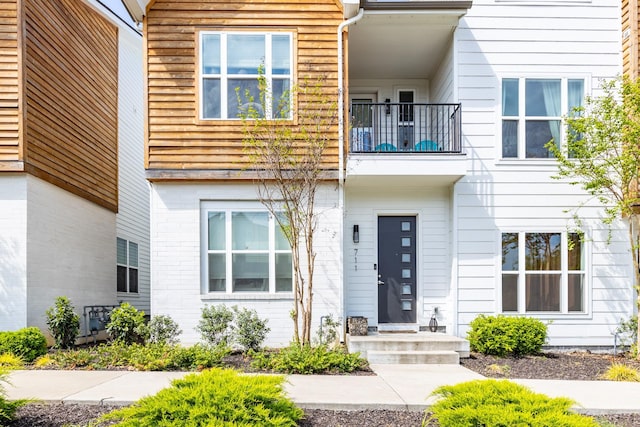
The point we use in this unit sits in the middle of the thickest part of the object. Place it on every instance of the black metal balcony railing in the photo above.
(405, 127)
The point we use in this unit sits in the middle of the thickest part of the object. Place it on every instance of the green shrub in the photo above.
(250, 331)
(163, 329)
(28, 343)
(215, 324)
(218, 397)
(221, 325)
(498, 403)
(328, 332)
(628, 332)
(63, 323)
(620, 372)
(297, 359)
(7, 408)
(198, 356)
(74, 359)
(11, 361)
(506, 335)
(149, 357)
(126, 324)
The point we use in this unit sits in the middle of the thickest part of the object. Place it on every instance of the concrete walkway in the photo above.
(394, 387)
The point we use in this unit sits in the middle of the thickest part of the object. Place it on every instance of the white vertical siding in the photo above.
(13, 252)
(70, 251)
(432, 208)
(514, 39)
(176, 259)
(132, 221)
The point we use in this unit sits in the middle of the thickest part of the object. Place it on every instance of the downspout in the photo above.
(341, 28)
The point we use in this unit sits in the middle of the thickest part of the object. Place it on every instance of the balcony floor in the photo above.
(398, 168)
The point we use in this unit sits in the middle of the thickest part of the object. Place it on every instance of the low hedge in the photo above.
(500, 403)
(507, 335)
(28, 343)
(217, 397)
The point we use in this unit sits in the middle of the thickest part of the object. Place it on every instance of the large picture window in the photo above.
(543, 272)
(127, 266)
(246, 252)
(230, 65)
(532, 110)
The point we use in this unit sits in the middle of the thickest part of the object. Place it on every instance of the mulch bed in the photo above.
(565, 366)
(577, 365)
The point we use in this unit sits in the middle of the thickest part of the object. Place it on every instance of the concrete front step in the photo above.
(413, 357)
(424, 344)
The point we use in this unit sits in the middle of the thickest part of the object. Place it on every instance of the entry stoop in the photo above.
(422, 347)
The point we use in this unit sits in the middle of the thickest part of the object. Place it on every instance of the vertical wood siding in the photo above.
(71, 86)
(630, 34)
(9, 112)
(176, 138)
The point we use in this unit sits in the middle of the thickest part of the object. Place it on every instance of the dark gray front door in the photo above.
(397, 269)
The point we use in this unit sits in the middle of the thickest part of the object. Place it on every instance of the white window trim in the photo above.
(223, 76)
(521, 159)
(128, 266)
(563, 314)
(229, 207)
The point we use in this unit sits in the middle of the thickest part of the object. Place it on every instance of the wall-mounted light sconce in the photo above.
(387, 108)
(356, 233)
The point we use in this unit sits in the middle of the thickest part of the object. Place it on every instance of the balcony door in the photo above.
(397, 269)
(406, 125)
(362, 119)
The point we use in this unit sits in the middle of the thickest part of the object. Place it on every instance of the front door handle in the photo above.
(380, 282)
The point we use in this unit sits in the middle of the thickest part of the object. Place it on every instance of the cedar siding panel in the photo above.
(176, 138)
(71, 86)
(9, 111)
(630, 37)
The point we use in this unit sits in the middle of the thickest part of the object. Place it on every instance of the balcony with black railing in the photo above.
(405, 144)
(405, 128)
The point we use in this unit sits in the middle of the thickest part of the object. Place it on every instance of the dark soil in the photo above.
(579, 365)
(566, 366)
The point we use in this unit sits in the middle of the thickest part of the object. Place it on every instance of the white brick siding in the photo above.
(176, 258)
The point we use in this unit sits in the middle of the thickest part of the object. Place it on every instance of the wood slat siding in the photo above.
(10, 152)
(630, 38)
(71, 89)
(176, 140)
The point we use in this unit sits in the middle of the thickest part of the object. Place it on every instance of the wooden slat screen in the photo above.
(71, 86)
(177, 140)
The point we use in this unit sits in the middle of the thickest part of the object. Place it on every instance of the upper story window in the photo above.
(246, 251)
(127, 266)
(230, 65)
(532, 110)
(543, 272)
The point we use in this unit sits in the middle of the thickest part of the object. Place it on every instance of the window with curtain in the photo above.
(247, 251)
(127, 266)
(543, 272)
(230, 65)
(532, 110)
